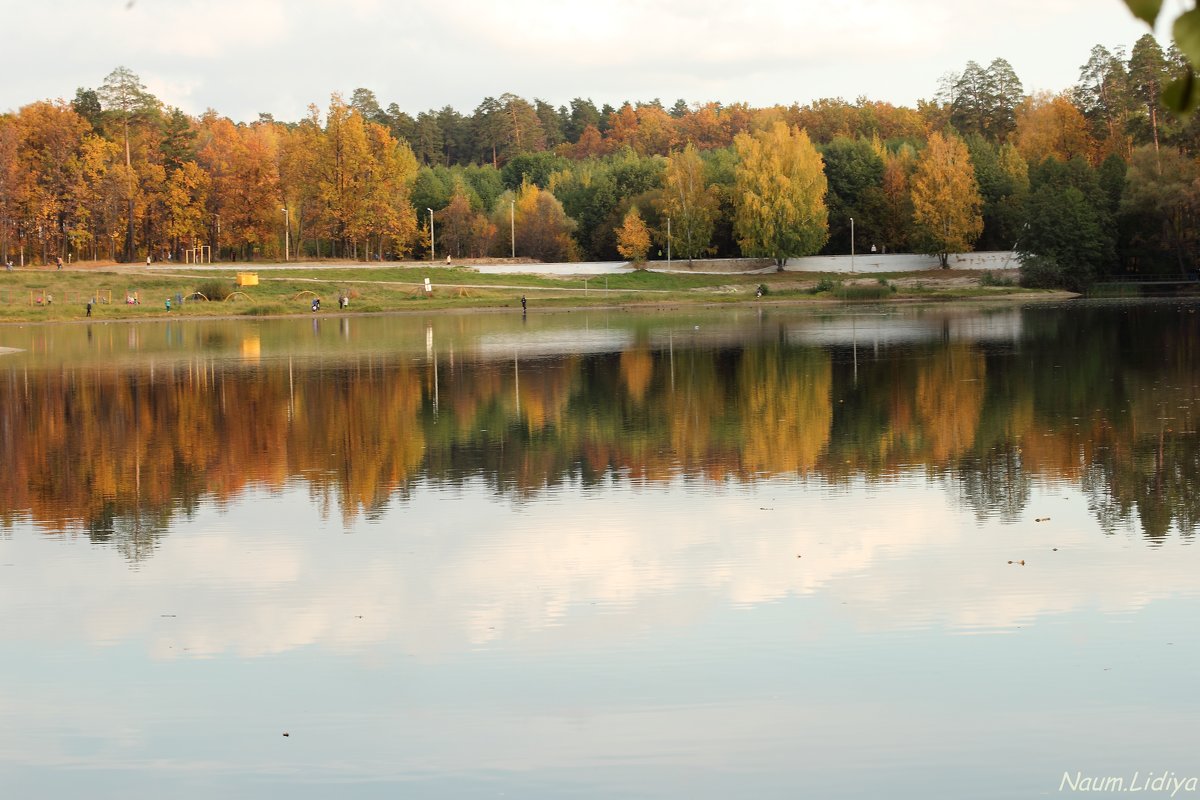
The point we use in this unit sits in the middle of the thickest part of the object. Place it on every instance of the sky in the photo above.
(243, 57)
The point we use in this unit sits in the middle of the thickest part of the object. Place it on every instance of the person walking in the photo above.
(522, 304)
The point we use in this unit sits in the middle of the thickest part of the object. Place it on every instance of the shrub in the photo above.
(991, 279)
(215, 290)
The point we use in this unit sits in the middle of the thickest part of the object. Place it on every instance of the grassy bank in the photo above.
(40, 294)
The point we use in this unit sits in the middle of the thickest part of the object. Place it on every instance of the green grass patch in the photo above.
(858, 292)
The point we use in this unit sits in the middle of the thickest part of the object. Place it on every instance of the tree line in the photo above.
(1095, 180)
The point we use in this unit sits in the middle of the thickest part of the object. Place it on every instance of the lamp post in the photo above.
(432, 252)
(852, 244)
(287, 235)
(668, 242)
(512, 226)
(217, 238)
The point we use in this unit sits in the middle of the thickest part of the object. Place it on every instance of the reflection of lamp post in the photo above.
(287, 235)
(432, 257)
(512, 226)
(852, 244)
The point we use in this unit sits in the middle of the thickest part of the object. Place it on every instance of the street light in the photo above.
(512, 225)
(852, 244)
(287, 235)
(432, 256)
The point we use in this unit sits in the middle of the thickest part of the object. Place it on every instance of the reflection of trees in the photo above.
(1096, 395)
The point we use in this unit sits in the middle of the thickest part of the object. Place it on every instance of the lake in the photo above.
(860, 552)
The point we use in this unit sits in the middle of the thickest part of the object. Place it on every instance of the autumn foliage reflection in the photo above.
(119, 452)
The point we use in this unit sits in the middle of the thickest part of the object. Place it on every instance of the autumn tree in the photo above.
(633, 238)
(463, 231)
(896, 217)
(689, 202)
(186, 200)
(946, 201)
(1050, 125)
(780, 194)
(543, 229)
(12, 183)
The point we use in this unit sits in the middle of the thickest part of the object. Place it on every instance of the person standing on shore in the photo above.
(522, 304)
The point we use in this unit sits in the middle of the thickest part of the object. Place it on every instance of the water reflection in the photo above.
(706, 554)
(1100, 397)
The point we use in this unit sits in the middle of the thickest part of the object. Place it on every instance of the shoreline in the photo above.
(646, 307)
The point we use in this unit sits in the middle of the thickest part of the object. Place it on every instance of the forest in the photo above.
(1094, 181)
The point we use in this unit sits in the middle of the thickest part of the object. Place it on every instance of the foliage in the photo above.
(780, 198)
(1160, 206)
(1064, 244)
(946, 202)
(689, 202)
(543, 229)
(854, 170)
(215, 290)
(990, 278)
(633, 238)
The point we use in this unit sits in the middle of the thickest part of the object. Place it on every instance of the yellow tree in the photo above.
(633, 237)
(299, 154)
(780, 186)
(947, 208)
(344, 164)
(51, 139)
(387, 210)
(690, 204)
(185, 200)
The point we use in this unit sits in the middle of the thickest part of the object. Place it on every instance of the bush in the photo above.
(1040, 272)
(215, 290)
(825, 285)
(991, 279)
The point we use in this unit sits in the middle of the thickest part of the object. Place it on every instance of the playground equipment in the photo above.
(198, 255)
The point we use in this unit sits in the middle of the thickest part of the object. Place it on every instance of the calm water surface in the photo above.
(733, 553)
